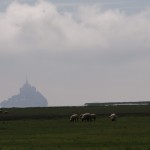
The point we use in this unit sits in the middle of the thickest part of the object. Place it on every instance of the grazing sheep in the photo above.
(86, 117)
(113, 117)
(74, 118)
(93, 117)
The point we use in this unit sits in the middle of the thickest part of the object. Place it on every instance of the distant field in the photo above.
(61, 112)
(28, 129)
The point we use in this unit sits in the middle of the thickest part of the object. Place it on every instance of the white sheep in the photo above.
(74, 118)
(113, 117)
(86, 117)
(93, 117)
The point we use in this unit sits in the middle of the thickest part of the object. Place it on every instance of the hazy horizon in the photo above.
(77, 51)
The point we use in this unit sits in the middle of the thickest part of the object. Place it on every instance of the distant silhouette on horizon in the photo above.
(28, 97)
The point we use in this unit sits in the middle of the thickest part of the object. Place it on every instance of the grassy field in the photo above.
(129, 132)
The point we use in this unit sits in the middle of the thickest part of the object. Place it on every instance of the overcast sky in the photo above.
(76, 51)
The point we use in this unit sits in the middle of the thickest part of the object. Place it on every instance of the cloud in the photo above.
(42, 26)
(87, 49)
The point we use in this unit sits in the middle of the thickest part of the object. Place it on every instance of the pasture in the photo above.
(129, 132)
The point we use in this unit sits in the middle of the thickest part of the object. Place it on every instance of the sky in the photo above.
(76, 51)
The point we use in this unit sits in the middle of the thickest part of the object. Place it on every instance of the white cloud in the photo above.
(41, 26)
(87, 49)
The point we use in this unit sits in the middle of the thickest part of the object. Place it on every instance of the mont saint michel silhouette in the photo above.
(28, 97)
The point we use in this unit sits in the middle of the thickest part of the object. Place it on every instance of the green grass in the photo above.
(127, 133)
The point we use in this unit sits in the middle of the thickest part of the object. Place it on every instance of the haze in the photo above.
(76, 52)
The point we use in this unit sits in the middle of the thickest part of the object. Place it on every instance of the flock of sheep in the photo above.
(89, 117)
